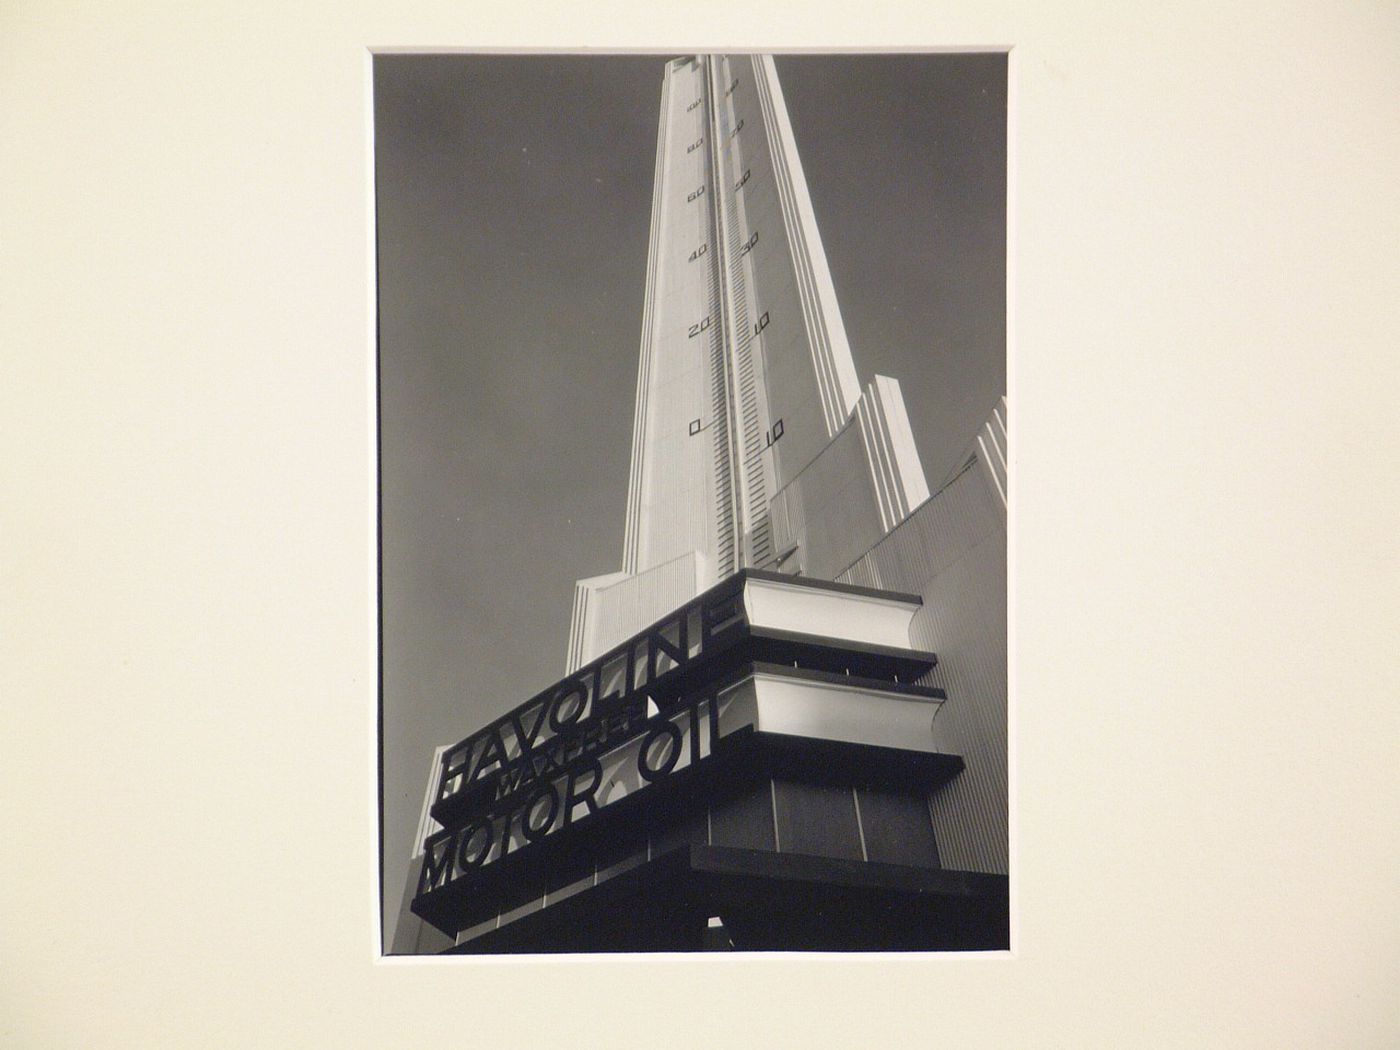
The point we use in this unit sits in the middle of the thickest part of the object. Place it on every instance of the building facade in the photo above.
(782, 723)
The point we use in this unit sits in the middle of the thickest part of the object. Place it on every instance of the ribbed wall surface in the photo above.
(748, 388)
(952, 552)
(624, 605)
(992, 447)
(893, 458)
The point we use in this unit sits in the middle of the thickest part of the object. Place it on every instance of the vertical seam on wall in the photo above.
(773, 793)
(933, 828)
(860, 825)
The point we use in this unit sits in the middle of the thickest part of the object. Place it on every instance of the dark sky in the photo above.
(513, 196)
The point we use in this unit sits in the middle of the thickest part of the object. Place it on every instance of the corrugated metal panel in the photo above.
(573, 658)
(992, 447)
(952, 551)
(426, 824)
(582, 626)
(617, 612)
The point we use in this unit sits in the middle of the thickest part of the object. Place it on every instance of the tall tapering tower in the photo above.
(753, 445)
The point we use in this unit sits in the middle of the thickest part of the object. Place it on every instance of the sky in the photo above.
(513, 197)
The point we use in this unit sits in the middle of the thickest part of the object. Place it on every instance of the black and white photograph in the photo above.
(564, 525)
(702, 645)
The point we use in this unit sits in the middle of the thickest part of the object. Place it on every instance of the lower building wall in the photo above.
(952, 552)
(413, 936)
(782, 816)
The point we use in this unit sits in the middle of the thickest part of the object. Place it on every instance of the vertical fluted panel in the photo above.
(632, 526)
(952, 552)
(993, 451)
(630, 604)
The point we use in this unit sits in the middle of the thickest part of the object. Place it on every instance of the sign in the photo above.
(602, 702)
(576, 775)
(605, 732)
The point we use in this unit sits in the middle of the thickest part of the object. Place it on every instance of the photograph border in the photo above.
(385, 893)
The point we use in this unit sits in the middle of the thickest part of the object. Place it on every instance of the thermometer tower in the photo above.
(753, 444)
